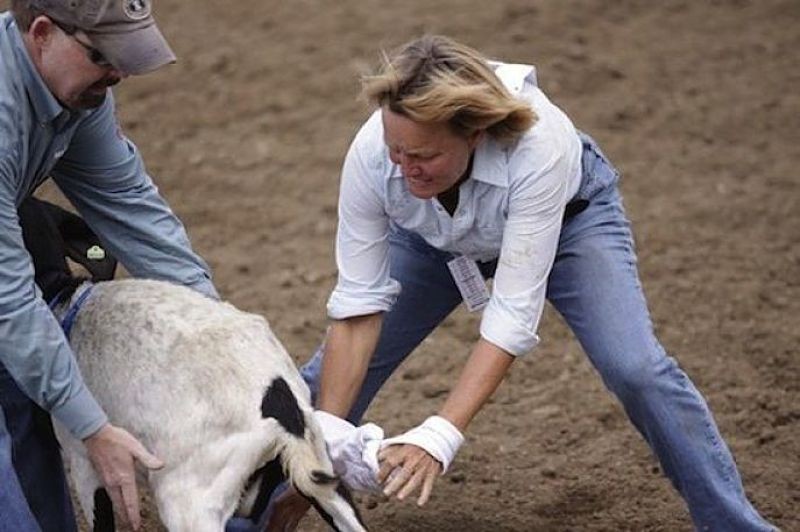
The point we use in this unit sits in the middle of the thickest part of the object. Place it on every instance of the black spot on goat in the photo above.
(280, 403)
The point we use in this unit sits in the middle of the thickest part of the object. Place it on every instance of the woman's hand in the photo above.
(405, 468)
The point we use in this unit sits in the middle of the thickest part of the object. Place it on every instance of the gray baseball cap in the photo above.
(124, 31)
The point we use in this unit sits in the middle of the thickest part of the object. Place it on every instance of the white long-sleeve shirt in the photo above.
(511, 207)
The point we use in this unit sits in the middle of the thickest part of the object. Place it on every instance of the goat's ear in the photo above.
(41, 236)
(82, 245)
(46, 247)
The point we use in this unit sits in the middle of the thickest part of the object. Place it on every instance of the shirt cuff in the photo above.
(205, 287)
(343, 305)
(506, 335)
(81, 414)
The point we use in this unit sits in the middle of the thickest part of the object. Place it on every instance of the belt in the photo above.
(575, 207)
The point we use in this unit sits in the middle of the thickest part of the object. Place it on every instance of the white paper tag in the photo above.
(470, 282)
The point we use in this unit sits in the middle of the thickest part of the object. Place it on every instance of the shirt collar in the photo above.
(45, 106)
(490, 163)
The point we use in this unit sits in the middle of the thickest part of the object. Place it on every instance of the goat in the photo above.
(207, 388)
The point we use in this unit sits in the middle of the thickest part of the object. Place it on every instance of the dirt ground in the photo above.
(696, 102)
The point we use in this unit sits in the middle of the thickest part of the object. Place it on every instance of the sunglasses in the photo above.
(94, 55)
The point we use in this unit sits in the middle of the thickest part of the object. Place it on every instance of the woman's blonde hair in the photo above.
(436, 79)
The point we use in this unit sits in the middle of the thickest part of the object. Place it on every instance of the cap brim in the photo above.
(135, 52)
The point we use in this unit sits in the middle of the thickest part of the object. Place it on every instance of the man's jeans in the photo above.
(33, 490)
(594, 284)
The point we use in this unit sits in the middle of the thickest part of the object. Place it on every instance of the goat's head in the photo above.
(52, 234)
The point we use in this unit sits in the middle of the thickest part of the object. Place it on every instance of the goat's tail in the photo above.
(305, 462)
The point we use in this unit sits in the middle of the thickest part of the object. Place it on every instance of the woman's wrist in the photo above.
(459, 420)
(436, 435)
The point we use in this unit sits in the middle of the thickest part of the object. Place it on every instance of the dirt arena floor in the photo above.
(697, 103)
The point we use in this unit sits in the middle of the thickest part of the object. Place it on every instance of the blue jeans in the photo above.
(33, 489)
(595, 286)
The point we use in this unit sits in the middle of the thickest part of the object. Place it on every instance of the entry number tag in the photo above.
(470, 282)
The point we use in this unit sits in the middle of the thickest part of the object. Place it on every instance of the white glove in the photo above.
(437, 436)
(353, 450)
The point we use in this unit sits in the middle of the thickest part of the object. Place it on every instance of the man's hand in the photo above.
(287, 511)
(112, 451)
(405, 468)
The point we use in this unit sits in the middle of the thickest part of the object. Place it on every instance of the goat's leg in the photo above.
(198, 497)
(92, 496)
(188, 515)
(186, 509)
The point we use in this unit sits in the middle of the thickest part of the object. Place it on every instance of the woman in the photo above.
(467, 171)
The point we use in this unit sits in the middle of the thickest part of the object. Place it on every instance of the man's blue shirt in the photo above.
(102, 174)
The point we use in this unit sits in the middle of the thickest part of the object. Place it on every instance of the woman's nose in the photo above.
(412, 171)
(409, 168)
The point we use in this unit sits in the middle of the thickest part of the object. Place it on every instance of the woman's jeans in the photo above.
(33, 490)
(595, 286)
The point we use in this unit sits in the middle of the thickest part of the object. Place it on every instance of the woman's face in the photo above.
(431, 156)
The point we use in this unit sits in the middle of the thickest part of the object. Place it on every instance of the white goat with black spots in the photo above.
(207, 388)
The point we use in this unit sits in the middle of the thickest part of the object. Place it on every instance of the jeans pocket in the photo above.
(598, 172)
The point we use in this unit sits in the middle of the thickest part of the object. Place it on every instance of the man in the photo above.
(58, 60)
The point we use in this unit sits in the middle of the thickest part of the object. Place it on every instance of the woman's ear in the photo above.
(474, 138)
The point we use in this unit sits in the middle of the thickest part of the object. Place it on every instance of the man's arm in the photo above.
(36, 354)
(103, 175)
(32, 346)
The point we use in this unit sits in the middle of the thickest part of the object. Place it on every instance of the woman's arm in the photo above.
(405, 468)
(483, 373)
(348, 350)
